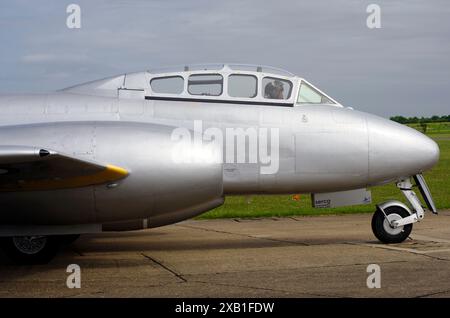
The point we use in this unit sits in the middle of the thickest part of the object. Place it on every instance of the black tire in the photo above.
(378, 226)
(47, 248)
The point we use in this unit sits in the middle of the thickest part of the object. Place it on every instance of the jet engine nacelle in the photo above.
(159, 188)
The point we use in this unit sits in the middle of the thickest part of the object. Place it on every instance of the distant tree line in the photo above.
(418, 120)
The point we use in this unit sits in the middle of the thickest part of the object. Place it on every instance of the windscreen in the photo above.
(309, 95)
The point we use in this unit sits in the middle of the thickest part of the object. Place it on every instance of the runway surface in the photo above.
(324, 256)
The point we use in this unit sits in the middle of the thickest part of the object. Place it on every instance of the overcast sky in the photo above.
(402, 68)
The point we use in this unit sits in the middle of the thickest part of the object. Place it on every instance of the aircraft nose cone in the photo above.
(397, 151)
(430, 152)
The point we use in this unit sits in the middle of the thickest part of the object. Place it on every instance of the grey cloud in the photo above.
(402, 68)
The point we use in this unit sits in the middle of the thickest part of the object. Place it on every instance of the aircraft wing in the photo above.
(24, 168)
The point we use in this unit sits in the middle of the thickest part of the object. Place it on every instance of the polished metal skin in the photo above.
(322, 148)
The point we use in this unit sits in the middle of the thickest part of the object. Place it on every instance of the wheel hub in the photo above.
(389, 220)
(30, 244)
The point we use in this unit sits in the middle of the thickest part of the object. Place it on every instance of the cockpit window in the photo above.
(205, 84)
(309, 95)
(276, 88)
(240, 85)
(167, 85)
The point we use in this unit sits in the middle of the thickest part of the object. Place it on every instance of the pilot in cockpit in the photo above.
(274, 90)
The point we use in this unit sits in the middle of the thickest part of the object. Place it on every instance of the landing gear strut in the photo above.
(393, 220)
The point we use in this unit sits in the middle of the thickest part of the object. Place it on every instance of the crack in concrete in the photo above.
(433, 294)
(354, 264)
(435, 257)
(407, 250)
(425, 238)
(265, 288)
(245, 235)
(159, 263)
(302, 268)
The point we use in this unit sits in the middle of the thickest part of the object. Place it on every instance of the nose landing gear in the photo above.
(383, 228)
(393, 220)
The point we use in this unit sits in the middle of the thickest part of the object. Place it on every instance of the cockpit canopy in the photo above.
(235, 82)
(219, 83)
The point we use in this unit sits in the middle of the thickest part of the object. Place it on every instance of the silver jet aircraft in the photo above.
(147, 149)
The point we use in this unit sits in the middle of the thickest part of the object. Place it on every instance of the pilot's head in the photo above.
(274, 90)
(268, 90)
(278, 89)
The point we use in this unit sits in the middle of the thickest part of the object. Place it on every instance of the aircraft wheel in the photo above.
(382, 228)
(30, 249)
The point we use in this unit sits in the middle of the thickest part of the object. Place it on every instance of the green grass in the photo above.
(433, 128)
(438, 180)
